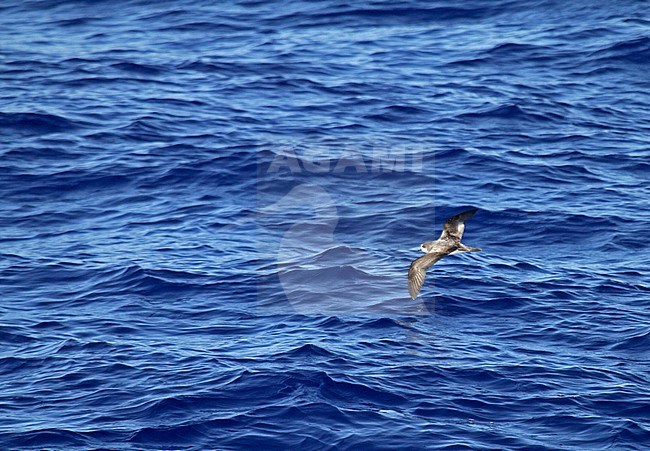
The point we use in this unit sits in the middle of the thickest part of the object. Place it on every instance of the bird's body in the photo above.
(448, 244)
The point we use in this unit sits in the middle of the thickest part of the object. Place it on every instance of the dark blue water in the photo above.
(207, 214)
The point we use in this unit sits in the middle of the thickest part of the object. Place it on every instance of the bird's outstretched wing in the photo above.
(418, 270)
(455, 226)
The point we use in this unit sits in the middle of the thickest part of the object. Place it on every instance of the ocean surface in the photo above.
(208, 211)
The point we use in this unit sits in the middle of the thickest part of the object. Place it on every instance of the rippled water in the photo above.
(207, 215)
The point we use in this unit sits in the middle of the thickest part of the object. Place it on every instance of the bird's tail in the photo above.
(464, 248)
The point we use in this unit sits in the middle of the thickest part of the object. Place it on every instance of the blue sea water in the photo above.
(208, 210)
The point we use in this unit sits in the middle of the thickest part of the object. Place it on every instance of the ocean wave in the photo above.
(510, 112)
(36, 123)
(628, 51)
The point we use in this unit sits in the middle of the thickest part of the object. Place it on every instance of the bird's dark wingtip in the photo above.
(465, 215)
(469, 213)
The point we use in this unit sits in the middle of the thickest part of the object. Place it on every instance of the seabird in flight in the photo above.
(448, 243)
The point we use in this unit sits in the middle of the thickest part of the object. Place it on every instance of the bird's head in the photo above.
(423, 247)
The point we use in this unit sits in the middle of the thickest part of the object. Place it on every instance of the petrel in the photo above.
(448, 243)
